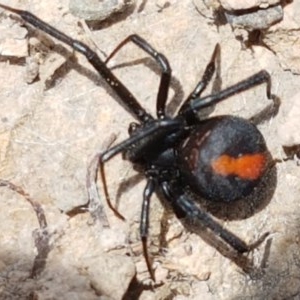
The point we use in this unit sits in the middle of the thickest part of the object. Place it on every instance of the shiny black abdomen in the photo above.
(223, 137)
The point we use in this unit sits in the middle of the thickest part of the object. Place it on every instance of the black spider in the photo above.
(221, 159)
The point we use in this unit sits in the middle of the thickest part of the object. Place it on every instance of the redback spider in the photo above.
(221, 159)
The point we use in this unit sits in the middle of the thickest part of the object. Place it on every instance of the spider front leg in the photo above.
(165, 79)
(105, 189)
(161, 125)
(124, 95)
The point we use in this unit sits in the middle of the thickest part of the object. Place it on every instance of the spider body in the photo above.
(220, 159)
(223, 158)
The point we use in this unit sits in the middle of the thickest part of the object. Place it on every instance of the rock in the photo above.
(283, 38)
(94, 10)
(288, 131)
(13, 40)
(260, 19)
(103, 281)
(247, 4)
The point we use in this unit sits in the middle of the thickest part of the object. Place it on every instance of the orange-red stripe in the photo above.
(248, 166)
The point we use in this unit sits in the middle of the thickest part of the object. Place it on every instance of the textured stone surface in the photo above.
(288, 132)
(95, 10)
(247, 4)
(51, 129)
(283, 38)
(13, 39)
(259, 19)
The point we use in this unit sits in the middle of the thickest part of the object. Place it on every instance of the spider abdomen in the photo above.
(224, 158)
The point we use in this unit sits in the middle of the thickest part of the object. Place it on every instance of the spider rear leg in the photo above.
(185, 208)
(163, 62)
(244, 85)
(205, 80)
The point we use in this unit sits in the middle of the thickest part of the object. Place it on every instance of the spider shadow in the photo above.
(174, 103)
(126, 185)
(175, 84)
(291, 152)
(71, 63)
(16, 61)
(115, 18)
(243, 260)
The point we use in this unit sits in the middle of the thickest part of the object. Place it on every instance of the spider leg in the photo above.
(163, 62)
(206, 78)
(125, 96)
(246, 84)
(144, 225)
(166, 125)
(184, 207)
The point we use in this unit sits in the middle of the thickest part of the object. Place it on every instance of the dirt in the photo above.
(51, 129)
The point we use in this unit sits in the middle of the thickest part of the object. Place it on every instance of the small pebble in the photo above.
(95, 10)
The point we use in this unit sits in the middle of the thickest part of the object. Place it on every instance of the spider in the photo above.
(221, 159)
